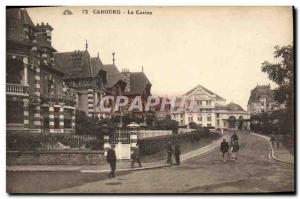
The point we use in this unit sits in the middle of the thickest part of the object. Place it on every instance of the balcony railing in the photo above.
(56, 97)
(17, 89)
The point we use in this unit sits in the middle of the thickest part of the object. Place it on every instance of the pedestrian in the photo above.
(234, 137)
(272, 139)
(112, 160)
(278, 140)
(222, 130)
(177, 154)
(135, 156)
(169, 152)
(235, 148)
(224, 148)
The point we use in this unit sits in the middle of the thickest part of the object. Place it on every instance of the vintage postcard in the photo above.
(150, 99)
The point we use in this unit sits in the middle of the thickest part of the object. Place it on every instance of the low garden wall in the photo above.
(54, 157)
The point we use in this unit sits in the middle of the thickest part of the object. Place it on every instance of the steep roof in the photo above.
(97, 65)
(113, 75)
(16, 18)
(206, 90)
(65, 61)
(260, 90)
(138, 82)
(41, 40)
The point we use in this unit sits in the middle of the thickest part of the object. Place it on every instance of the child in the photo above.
(224, 149)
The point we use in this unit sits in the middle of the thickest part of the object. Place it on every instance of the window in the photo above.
(208, 125)
(56, 123)
(209, 118)
(14, 112)
(224, 123)
(68, 118)
(199, 118)
(208, 102)
(190, 118)
(218, 122)
(218, 115)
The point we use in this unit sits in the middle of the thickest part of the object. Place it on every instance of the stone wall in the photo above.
(55, 158)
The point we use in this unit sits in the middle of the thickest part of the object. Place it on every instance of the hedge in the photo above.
(34, 142)
(149, 146)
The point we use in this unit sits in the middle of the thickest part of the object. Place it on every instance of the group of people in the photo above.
(233, 147)
(173, 149)
(173, 152)
(112, 159)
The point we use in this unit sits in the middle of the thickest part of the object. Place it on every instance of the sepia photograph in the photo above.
(150, 100)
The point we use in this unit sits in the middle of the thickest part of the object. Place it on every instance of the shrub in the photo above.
(168, 124)
(149, 146)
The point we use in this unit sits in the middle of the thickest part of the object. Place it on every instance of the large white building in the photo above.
(211, 111)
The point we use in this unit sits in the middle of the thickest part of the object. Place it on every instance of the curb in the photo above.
(272, 150)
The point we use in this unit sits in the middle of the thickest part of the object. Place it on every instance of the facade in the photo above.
(86, 77)
(212, 112)
(37, 98)
(44, 88)
(262, 100)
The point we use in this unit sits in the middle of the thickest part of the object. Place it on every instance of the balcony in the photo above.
(58, 98)
(16, 90)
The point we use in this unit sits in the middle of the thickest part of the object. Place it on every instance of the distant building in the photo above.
(262, 100)
(212, 112)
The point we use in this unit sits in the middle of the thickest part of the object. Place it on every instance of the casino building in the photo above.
(213, 112)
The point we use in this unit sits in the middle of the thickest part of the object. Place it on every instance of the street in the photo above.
(253, 172)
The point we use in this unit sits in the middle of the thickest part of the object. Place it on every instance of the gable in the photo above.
(203, 93)
(199, 93)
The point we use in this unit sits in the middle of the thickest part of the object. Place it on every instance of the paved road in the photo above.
(253, 172)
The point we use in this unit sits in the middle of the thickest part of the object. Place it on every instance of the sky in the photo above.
(220, 48)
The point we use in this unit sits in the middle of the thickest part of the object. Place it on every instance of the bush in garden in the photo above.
(149, 146)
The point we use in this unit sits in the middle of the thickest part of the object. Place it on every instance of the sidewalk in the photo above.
(280, 154)
(123, 165)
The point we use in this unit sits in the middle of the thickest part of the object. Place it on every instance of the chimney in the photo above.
(126, 74)
(45, 30)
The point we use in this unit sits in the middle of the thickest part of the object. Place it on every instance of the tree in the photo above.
(91, 125)
(193, 125)
(282, 73)
(168, 124)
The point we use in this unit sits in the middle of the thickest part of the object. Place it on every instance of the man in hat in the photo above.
(111, 159)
